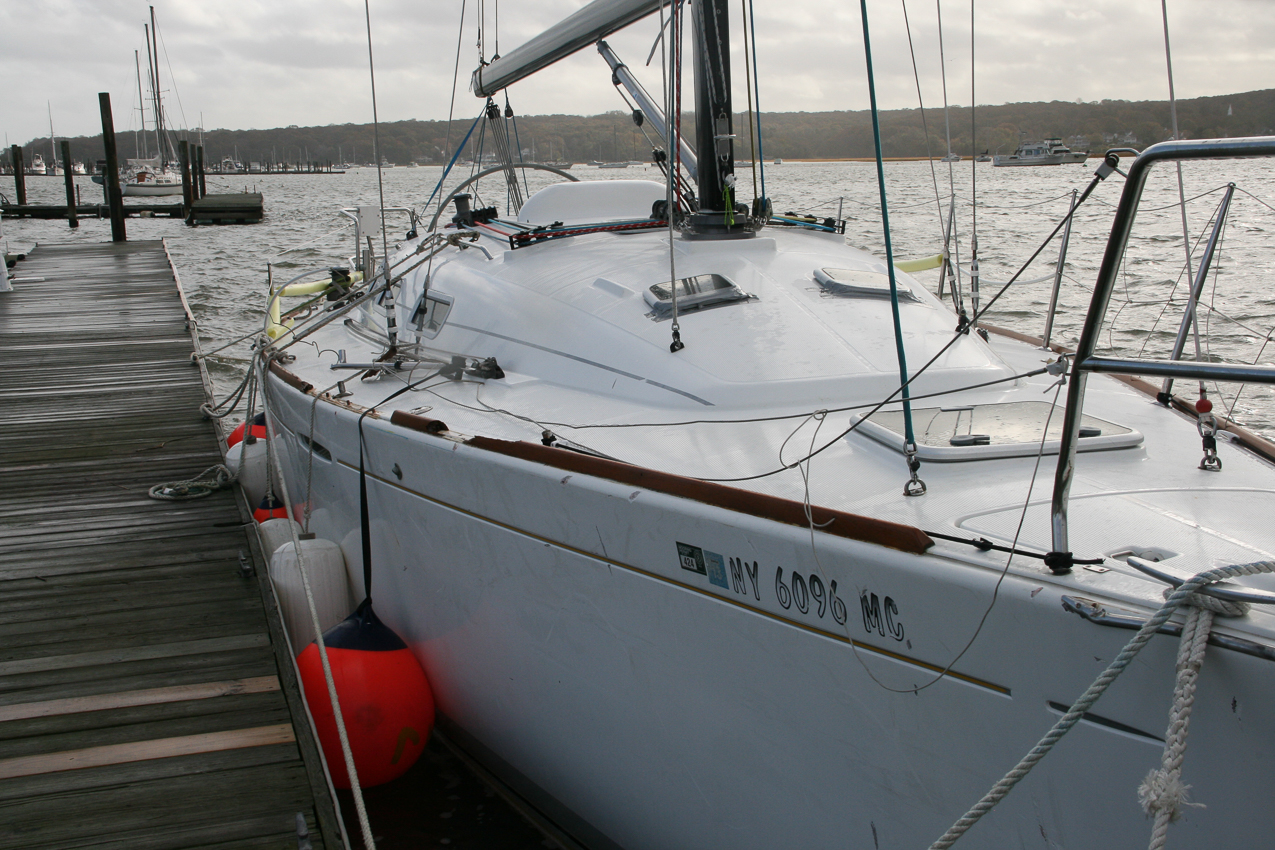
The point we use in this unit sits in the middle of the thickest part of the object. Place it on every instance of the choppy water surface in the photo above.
(224, 268)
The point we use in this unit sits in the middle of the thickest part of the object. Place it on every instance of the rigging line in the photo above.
(451, 107)
(961, 332)
(1251, 195)
(752, 25)
(885, 223)
(376, 142)
(455, 156)
(1186, 236)
(1230, 413)
(675, 157)
(947, 121)
(745, 420)
(925, 127)
(169, 62)
(1167, 302)
(748, 87)
(1173, 114)
(1013, 550)
(973, 147)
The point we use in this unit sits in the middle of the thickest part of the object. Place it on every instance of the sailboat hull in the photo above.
(660, 671)
(150, 189)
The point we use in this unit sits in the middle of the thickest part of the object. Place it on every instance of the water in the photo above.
(224, 268)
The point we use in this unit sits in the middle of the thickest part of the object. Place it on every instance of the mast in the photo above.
(717, 216)
(141, 104)
(53, 141)
(154, 80)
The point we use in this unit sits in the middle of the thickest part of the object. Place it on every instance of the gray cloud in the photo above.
(247, 64)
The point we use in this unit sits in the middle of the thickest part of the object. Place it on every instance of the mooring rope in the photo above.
(1160, 791)
(214, 478)
(347, 754)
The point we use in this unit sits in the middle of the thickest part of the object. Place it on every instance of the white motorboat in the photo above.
(644, 502)
(1048, 152)
(37, 165)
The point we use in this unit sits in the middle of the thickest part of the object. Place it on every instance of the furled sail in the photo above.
(596, 20)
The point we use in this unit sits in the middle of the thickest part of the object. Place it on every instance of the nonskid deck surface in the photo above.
(141, 700)
(752, 433)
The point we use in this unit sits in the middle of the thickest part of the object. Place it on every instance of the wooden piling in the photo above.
(199, 170)
(19, 178)
(183, 158)
(111, 179)
(69, 174)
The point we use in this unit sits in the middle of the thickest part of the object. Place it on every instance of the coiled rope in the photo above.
(1162, 791)
(214, 478)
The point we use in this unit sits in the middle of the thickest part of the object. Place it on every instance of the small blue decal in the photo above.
(716, 569)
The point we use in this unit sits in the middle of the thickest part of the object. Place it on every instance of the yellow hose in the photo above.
(920, 265)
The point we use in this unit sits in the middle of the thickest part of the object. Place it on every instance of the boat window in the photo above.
(981, 431)
(693, 293)
(430, 313)
(860, 283)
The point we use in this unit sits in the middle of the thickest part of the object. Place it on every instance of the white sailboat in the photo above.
(152, 176)
(639, 500)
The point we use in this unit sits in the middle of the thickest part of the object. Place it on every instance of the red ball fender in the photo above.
(385, 699)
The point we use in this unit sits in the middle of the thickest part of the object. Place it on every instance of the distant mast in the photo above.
(141, 106)
(152, 70)
(53, 140)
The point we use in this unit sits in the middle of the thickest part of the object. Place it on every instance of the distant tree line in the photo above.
(789, 135)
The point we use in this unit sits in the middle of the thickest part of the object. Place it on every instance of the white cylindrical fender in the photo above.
(276, 532)
(325, 567)
(249, 462)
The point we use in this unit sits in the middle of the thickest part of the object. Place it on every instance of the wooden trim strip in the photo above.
(1255, 443)
(418, 423)
(289, 378)
(904, 538)
(112, 754)
(126, 699)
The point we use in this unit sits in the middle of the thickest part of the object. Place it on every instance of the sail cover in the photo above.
(596, 20)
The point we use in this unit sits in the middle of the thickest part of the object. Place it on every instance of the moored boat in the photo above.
(643, 499)
(1048, 152)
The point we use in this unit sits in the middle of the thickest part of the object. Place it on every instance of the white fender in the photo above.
(325, 567)
(276, 532)
(249, 462)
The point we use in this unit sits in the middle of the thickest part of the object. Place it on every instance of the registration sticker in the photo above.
(691, 558)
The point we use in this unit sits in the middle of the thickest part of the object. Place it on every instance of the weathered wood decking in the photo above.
(142, 702)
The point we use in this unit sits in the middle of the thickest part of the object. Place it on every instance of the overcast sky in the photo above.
(270, 63)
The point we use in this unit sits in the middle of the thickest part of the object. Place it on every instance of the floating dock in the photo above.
(243, 208)
(147, 697)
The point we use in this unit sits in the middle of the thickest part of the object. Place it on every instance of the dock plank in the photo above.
(144, 697)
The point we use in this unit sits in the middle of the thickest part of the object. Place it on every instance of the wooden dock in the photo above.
(144, 683)
(89, 210)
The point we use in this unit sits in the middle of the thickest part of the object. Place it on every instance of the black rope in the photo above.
(985, 545)
(365, 525)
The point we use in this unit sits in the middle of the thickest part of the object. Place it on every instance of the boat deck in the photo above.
(144, 684)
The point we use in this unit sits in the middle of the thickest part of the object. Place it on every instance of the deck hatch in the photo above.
(984, 431)
(693, 293)
(860, 283)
